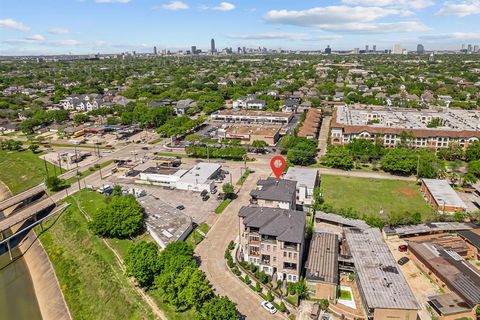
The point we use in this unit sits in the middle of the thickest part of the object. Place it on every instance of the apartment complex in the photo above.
(273, 239)
(432, 128)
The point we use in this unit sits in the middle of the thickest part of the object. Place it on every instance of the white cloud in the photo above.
(346, 19)
(12, 24)
(58, 31)
(175, 5)
(36, 38)
(67, 43)
(331, 15)
(412, 4)
(292, 36)
(224, 6)
(452, 36)
(112, 1)
(461, 9)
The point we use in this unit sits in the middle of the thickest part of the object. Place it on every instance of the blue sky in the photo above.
(107, 26)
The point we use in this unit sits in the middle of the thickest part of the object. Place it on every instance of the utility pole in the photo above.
(418, 165)
(60, 163)
(78, 180)
(46, 167)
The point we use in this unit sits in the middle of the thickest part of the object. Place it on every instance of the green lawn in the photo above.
(369, 196)
(196, 237)
(345, 295)
(22, 170)
(93, 284)
(222, 206)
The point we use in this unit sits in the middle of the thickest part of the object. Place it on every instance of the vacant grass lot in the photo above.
(93, 284)
(21, 170)
(369, 196)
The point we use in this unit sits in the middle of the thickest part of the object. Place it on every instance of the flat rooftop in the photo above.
(448, 304)
(426, 228)
(443, 193)
(167, 223)
(200, 173)
(164, 171)
(341, 221)
(322, 263)
(381, 281)
(306, 177)
(253, 129)
(458, 274)
(405, 118)
(252, 113)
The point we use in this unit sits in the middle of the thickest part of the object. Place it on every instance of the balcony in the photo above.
(254, 253)
(265, 260)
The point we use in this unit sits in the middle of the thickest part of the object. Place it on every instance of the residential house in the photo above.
(275, 193)
(307, 180)
(274, 240)
(182, 106)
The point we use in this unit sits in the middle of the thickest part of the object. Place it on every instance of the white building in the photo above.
(167, 177)
(307, 180)
(200, 177)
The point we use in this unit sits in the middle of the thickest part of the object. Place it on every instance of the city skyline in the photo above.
(92, 26)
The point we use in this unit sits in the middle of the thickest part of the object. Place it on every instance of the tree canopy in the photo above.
(121, 218)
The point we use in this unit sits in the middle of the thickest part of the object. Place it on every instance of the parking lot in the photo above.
(420, 284)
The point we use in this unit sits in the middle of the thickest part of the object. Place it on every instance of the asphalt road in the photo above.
(212, 249)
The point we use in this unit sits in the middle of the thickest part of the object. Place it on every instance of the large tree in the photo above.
(121, 218)
(218, 308)
(185, 289)
(473, 151)
(400, 161)
(142, 262)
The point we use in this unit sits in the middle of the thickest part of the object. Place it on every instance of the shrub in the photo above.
(282, 307)
(231, 245)
(258, 287)
(269, 296)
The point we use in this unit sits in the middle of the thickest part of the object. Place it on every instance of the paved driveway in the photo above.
(212, 249)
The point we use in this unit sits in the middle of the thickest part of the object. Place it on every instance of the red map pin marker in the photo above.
(278, 165)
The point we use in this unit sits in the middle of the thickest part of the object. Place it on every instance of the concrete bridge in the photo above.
(23, 211)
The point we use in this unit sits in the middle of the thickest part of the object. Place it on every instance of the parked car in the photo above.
(269, 307)
(105, 190)
(213, 191)
(402, 248)
(403, 260)
(203, 193)
(325, 316)
(205, 198)
(315, 311)
(144, 148)
(181, 207)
